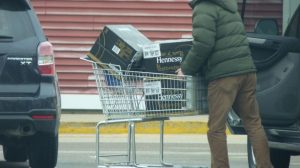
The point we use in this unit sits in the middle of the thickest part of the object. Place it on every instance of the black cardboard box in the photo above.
(164, 95)
(176, 97)
(119, 44)
(170, 56)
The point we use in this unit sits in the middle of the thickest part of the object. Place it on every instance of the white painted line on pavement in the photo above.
(76, 152)
(150, 138)
(234, 154)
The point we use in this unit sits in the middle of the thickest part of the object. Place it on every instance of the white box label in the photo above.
(116, 49)
(152, 87)
(151, 51)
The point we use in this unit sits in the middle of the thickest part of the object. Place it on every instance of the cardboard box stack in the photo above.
(175, 97)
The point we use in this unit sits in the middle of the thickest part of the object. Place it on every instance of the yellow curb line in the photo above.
(171, 127)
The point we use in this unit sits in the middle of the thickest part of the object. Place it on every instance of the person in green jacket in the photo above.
(221, 51)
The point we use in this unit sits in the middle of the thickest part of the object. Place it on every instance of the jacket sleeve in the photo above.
(204, 32)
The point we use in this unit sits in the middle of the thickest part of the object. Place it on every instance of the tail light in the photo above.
(43, 117)
(46, 59)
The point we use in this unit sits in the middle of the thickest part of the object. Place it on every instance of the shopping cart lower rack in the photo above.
(133, 96)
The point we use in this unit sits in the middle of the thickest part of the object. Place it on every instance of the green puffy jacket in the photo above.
(220, 46)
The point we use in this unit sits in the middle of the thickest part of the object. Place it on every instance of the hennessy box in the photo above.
(120, 45)
(165, 56)
(164, 95)
(175, 97)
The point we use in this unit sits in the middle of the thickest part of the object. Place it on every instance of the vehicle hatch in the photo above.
(19, 74)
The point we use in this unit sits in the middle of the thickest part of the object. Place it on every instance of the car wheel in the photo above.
(280, 158)
(43, 151)
(14, 154)
(251, 158)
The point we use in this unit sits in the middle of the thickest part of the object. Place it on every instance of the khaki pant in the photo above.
(237, 92)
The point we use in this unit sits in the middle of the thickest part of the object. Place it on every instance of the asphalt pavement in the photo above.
(189, 150)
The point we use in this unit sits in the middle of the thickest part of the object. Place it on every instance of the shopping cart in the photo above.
(133, 96)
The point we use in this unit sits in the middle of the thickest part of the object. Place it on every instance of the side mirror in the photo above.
(266, 26)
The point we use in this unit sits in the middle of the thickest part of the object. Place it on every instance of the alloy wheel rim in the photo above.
(253, 157)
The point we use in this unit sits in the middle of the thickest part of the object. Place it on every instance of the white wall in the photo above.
(80, 102)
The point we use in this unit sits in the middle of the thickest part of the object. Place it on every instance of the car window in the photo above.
(14, 20)
(267, 10)
(293, 29)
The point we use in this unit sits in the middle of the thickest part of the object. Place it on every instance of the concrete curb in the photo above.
(171, 127)
(85, 123)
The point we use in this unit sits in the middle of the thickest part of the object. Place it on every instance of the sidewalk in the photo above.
(79, 123)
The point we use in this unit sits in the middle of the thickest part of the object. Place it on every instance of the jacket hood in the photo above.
(230, 5)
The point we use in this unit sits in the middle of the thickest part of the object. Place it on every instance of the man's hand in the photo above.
(179, 72)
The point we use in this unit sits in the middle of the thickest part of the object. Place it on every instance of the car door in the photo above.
(278, 65)
(277, 59)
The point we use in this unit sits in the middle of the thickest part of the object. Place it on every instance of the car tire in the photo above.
(43, 151)
(14, 154)
(280, 158)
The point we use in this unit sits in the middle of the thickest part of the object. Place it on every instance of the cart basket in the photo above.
(134, 94)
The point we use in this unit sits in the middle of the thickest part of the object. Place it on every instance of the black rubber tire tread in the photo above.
(43, 151)
(14, 154)
(280, 158)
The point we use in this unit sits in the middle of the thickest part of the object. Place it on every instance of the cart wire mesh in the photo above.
(134, 94)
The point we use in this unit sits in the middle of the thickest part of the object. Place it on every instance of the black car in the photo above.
(29, 95)
(277, 58)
